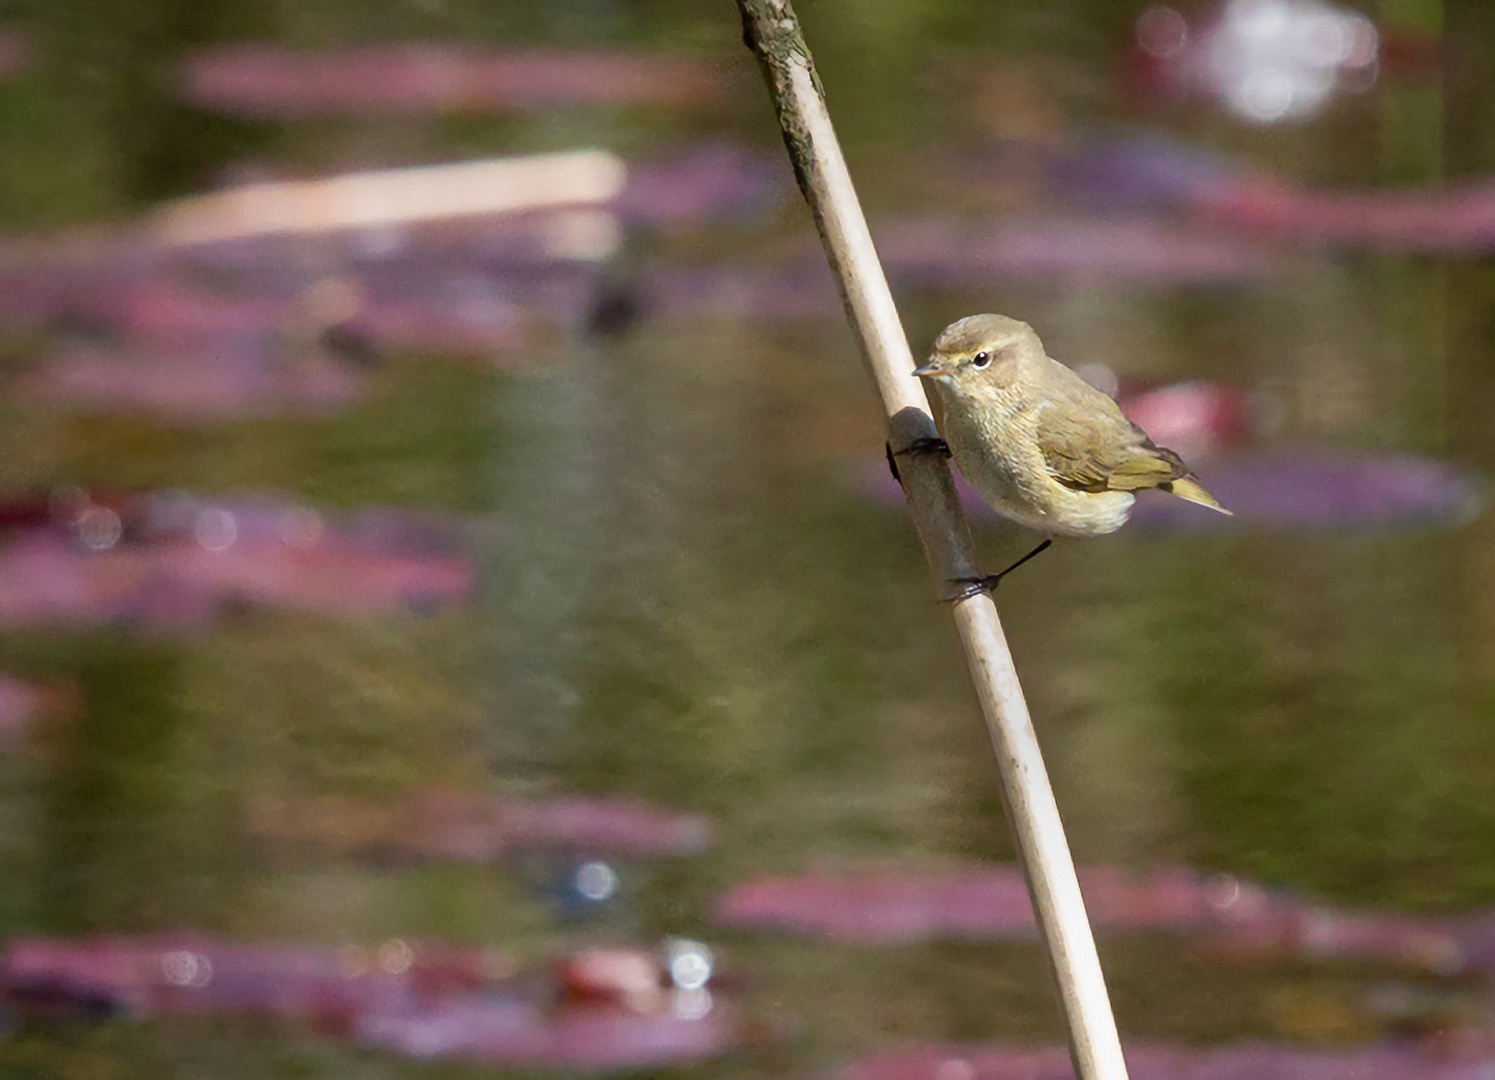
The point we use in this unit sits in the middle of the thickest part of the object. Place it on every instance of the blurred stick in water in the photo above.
(771, 30)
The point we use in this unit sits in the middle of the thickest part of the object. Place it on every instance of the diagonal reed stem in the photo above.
(771, 30)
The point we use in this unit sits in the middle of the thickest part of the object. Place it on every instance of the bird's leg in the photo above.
(925, 444)
(974, 585)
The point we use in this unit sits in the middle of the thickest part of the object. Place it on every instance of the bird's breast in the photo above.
(994, 448)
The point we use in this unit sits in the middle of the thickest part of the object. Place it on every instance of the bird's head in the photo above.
(979, 352)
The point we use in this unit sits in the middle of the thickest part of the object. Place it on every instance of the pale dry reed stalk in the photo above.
(771, 30)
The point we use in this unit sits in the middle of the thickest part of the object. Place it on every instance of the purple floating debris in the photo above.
(1210, 194)
(1320, 489)
(1145, 171)
(974, 901)
(243, 376)
(711, 181)
(172, 559)
(192, 973)
(415, 79)
(1235, 1061)
(1453, 222)
(990, 902)
(947, 252)
(1305, 489)
(518, 1033)
(634, 1008)
(798, 291)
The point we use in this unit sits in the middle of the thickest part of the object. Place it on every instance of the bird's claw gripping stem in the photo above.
(973, 586)
(925, 444)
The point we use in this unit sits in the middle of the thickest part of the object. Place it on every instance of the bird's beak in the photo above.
(932, 370)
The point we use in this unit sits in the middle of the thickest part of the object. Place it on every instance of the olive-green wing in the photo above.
(1090, 446)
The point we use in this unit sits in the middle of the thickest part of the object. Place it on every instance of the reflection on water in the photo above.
(418, 636)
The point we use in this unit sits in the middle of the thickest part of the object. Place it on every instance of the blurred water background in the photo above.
(306, 523)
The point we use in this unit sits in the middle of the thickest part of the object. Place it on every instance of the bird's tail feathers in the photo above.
(1192, 491)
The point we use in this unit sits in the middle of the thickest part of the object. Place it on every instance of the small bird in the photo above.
(1042, 445)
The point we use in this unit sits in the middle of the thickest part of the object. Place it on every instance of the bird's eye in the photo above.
(981, 359)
